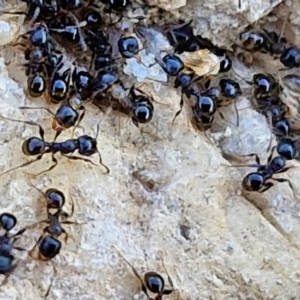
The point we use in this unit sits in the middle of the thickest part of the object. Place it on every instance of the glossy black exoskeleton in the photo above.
(265, 85)
(262, 180)
(290, 58)
(140, 106)
(37, 146)
(65, 117)
(254, 41)
(152, 281)
(59, 86)
(36, 82)
(71, 5)
(286, 148)
(282, 127)
(8, 222)
(103, 81)
(229, 88)
(82, 81)
(128, 46)
(116, 5)
(171, 64)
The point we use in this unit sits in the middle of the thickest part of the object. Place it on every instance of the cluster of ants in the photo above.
(194, 63)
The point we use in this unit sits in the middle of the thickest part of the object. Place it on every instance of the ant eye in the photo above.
(8, 221)
(55, 199)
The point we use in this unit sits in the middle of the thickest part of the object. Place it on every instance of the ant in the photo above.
(8, 222)
(55, 199)
(85, 145)
(152, 281)
(140, 105)
(65, 117)
(59, 85)
(261, 180)
(201, 122)
(229, 91)
(287, 148)
(290, 58)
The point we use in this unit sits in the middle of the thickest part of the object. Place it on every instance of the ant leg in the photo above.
(72, 157)
(285, 180)
(81, 116)
(267, 186)
(55, 163)
(41, 130)
(23, 165)
(51, 284)
(237, 114)
(45, 108)
(271, 155)
(223, 118)
(178, 112)
(144, 289)
(102, 164)
(167, 292)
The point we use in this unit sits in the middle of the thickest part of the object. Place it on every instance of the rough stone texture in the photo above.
(169, 190)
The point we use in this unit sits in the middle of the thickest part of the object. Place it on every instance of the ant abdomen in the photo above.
(49, 247)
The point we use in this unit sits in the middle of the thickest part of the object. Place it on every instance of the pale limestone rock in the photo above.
(168, 191)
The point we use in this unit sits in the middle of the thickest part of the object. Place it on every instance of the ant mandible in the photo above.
(85, 145)
(152, 281)
(261, 180)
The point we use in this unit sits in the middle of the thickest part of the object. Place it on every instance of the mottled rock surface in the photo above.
(168, 190)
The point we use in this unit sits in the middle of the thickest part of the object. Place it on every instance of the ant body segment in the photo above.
(152, 281)
(65, 117)
(8, 222)
(262, 180)
(36, 146)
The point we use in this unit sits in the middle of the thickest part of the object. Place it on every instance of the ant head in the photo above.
(253, 182)
(8, 221)
(66, 116)
(206, 104)
(55, 199)
(33, 146)
(154, 282)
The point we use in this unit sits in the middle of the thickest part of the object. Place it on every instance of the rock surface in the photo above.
(168, 190)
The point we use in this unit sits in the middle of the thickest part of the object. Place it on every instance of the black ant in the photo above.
(152, 281)
(287, 148)
(290, 58)
(201, 122)
(8, 222)
(262, 180)
(140, 106)
(55, 199)
(65, 117)
(59, 85)
(229, 91)
(36, 82)
(38, 37)
(85, 145)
